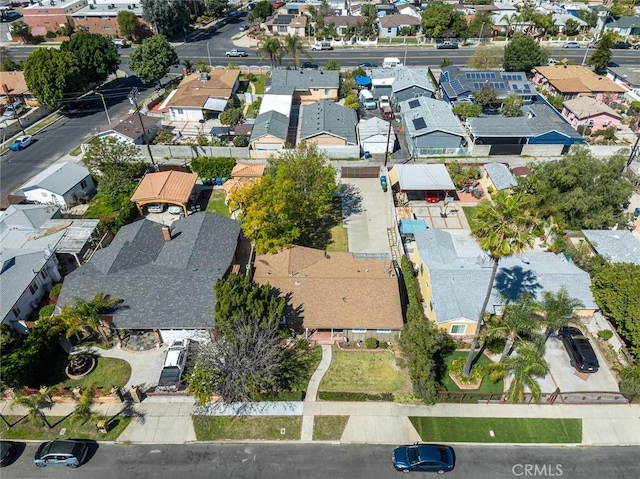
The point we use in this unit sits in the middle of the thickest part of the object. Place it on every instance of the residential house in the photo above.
(539, 125)
(270, 131)
(333, 296)
(401, 83)
(167, 187)
(391, 26)
(129, 129)
(164, 276)
(202, 96)
(405, 7)
(285, 24)
(384, 9)
(414, 180)
(624, 26)
(325, 123)
(305, 86)
(627, 76)
(571, 81)
(343, 23)
(458, 84)
(13, 87)
(616, 246)
(589, 112)
(560, 20)
(35, 243)
(376, 136)
(241, 175)
(497, 177)
(430, 127)
(62, 184)
(453, 275)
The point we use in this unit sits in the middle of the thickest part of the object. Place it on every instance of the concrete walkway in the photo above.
(312, 392)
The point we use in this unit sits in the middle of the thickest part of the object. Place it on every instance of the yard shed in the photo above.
(174, 187)
(374, 136)
(420, 178)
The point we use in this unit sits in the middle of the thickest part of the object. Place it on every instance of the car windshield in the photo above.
(413, 455)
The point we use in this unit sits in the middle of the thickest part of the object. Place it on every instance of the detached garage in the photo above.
(418, 182)
(374, 136)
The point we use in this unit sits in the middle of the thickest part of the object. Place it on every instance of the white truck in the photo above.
(236, 53)
(321, 46)
(391, 62)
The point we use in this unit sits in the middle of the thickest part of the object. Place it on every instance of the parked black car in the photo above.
(620, 45)
(61, 452)
(6, 452)
(424, 458)
(579, 349)
(308, 66)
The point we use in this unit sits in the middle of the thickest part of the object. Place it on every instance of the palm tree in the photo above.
(83, 413)
(33, 404)
(510, 20)
(558, 309)
(271, 48)
(503, 228)
(518, 321)
(523, 368)
(81, 315)
(293, 46)
(188, 64)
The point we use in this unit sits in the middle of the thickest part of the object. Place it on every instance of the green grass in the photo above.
(24, 429)
(260, 83)
(109, 372)
(368, 372)
(216, 203)
(268, 428)
(470, 213)
(77, 151)
(43, 124)
(506, 430)
(329, 428)
(339, 239)
(486, 386)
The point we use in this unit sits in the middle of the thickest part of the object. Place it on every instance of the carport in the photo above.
(173, 187)
(415, 181)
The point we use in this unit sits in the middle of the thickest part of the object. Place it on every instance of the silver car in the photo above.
(61, 452)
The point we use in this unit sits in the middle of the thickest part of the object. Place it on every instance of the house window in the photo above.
(458, 329)
(590, 123)
(33, 287)
(105, 17)
(389, 31)
(83, 184)
(327, 91)
(606, 123)
(180, 111)
(106, 28)
(383, 331)
(16, 311)
(43, 274)
(359, 331)
(421, 269)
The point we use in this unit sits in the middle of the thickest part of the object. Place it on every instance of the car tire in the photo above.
(73, 466)
(406, 471)
(440, 471)
(41, 465)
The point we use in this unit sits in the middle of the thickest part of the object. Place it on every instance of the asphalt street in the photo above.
(320, 461)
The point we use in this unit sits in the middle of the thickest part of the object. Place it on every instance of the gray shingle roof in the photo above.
(19, 269)
(436, 116)
(270, 123)
(542, 120)
(302, 80)
(500, 175)
(325, 116)
(58, 178)
(617, 246)
(624, 23)
(460, 271)
(372, 127)
(408, 77)
(163, 284)
(457, 82)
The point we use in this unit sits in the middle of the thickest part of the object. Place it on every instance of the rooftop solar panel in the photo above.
(419, 124)
(457, 87)
(414, 104)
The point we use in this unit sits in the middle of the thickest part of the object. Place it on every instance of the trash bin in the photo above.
(102, 427)
(383, 183)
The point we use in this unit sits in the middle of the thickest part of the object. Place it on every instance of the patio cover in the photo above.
(165, 186)
(76, 233)
(421, 177)
(215, 104)
(363, 80)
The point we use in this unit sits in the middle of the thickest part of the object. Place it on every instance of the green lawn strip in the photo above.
(506, 430)
(43, 124)
(359, 371)
(107, 373)
(470, 213)
(216, 203)
(339, 239)
(329, 428)
(268, 428)
(25, 429)
(486, 386)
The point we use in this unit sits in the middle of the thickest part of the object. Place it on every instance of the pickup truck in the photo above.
(236, 53)
(447, 45)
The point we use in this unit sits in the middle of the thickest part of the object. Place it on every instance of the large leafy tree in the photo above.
(523, 53)
(503, 227)
(294, 46)
(486, 96)
(169, 17)
(481, 24)
(21, 30)
(616, 289)
(237, 296)
(512, 106)
(291, 201)
(96, 54)
(152, 60)
(523, 369)
(581, 191)
(262, 10)
(558, 310)
(602, 55)
(79, 314)
(128, 24)
(7, 62)
(440, 19)
(271, 48)
(216, 8)
(52, 75)
(116, 165)
(486, 57)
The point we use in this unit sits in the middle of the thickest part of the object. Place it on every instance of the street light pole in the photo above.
(481, 29)
(584, 59)
(134, 101)
(208, 54)
(105, 106)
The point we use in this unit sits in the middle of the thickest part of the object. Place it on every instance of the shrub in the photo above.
(457, 366)
(605, 334)
(495, 345)
(302, 344)
(353, 397)
(46, 311)
(212, 167)
(240, 141)
(202, 140)
(55, 291)
(163, 137)
(490, 190)
(371, 343)
(630, 379)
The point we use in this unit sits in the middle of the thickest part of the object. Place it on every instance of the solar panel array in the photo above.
(419, 123)
(498, 85)
(457, 87)
(478, 84)
(414, 104)
(481, 76)
(283, 19)
(524, 88)
(512, 77)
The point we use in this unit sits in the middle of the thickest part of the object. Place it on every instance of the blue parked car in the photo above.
(424, 458)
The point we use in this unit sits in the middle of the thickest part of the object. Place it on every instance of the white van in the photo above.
(366, 98)
(391, 62)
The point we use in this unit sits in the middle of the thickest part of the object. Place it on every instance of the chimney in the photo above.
(166, 233)
(184, 72)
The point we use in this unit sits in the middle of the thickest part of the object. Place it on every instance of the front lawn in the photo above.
(329, 428)
(505, 430)
(268, 428)
(486, 386)
(339, 239)
(25, 429)
(470, 213)
(216, 203)
(366, 372)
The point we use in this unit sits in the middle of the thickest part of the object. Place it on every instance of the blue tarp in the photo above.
(409, 227)
(363, 81)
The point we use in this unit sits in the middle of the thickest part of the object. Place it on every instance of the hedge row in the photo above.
(353, 397)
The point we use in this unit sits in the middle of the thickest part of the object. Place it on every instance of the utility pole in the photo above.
(11, 100)
(104, 104)
(134, 101)
(386, 151)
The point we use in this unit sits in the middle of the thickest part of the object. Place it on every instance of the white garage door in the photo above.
(169, 335)
(374, 147)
